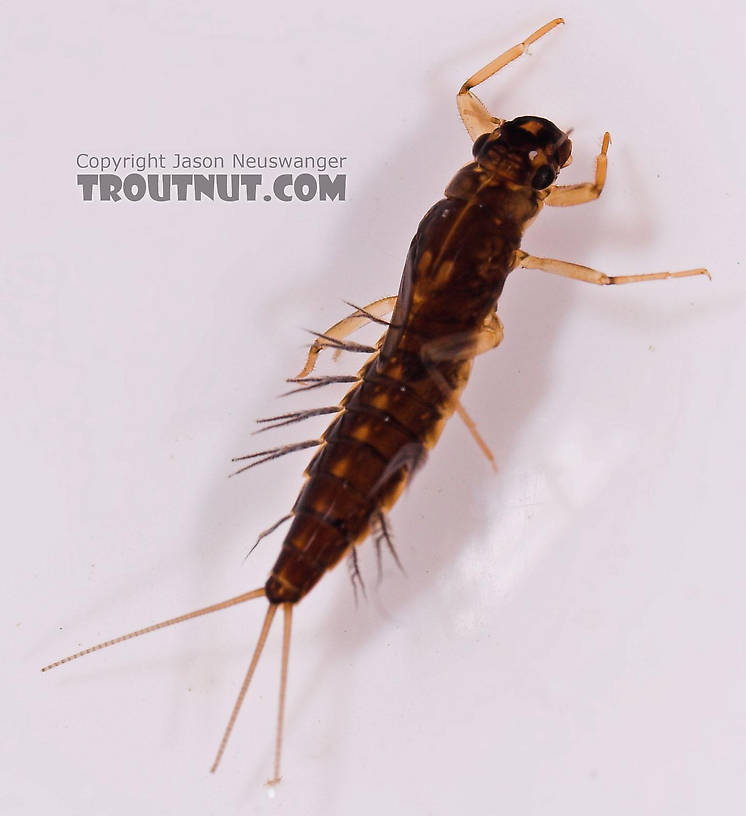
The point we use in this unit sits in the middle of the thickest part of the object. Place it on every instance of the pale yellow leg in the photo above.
(456, 347)
(570, 194)
(345, 327)
(491, 335)
(585, 273)
(476, 118)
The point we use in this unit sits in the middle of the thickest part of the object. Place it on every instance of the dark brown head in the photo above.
(528, 151)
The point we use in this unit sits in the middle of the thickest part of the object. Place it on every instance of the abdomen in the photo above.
(454, 273)
(386, 425)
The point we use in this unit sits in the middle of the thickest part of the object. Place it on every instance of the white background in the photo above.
(568, 637)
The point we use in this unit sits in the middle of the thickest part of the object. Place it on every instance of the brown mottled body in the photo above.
(443, 316)
(456, 268)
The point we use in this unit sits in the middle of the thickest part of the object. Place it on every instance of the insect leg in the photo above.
(571, 194)
(460, 346)
(475, 116)
(359, 318)
(585, 273)
(490, 336)
(464, 345)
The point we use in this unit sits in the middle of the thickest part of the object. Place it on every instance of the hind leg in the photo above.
(461, 347)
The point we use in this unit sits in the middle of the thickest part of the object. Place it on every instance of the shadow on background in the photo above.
(533, 310)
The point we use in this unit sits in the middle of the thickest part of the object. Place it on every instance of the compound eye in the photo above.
(543, 178)
(479, 144)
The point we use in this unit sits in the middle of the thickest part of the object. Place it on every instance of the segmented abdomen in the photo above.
(386, 424)
(455, 270)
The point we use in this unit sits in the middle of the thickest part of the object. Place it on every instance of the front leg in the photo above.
(570, 194)
(475, 116)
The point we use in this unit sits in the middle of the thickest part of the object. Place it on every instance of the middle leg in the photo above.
(589, 275)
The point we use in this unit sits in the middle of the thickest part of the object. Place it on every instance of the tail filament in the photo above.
(268, 618)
